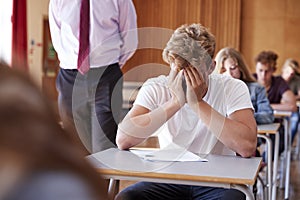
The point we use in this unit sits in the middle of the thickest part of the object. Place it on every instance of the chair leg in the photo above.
(254, 189)
(113, 188)
(264, 186)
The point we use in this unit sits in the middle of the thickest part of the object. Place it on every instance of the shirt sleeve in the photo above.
(283, 85)
(128, 30)
(237, 96)
(148, 95)
(55, 22)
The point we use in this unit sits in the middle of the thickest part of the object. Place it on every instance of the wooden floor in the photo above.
(294, 190)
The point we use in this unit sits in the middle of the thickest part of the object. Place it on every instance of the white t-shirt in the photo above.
(225, 94)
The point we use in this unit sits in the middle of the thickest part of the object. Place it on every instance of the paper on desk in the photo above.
(178, 155)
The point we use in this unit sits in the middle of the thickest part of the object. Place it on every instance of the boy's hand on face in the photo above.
(196, 87)
(175, 85)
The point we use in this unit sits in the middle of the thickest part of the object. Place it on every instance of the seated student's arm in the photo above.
(264, 112)
(238, 131)
(140, 122)
(298, 95)
(288, 102)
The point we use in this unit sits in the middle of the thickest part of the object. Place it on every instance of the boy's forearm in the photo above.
(134, 130)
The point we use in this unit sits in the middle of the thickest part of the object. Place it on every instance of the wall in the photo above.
(37, 10)
(162, 17)
(270, 25)
(265, 24)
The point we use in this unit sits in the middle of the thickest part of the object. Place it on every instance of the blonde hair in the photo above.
(229, 52)
(192, 43)
(293, 64)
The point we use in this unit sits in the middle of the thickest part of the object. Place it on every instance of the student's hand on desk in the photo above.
(175, 86)
(196, 87)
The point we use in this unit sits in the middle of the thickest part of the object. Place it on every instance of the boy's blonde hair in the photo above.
(192, 43)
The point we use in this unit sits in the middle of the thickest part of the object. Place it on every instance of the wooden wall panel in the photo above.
(270, 25)
(222, 17)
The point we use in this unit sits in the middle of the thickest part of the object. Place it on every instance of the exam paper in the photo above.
(171, 155)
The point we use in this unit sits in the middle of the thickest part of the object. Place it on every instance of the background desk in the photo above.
(219, 171)
(264, 131)
(285, 115)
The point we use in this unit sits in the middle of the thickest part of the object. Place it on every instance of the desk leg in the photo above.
(269, 168)
(285, 154)
(288, 161)
(113, 188)
(245, 189)
(275, 164)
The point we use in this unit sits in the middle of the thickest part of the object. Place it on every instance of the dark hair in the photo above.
(267, 57)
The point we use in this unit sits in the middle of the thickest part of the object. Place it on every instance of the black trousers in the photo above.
(165, 191)
(91, 104)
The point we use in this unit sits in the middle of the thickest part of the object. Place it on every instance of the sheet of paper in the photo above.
(174, 155)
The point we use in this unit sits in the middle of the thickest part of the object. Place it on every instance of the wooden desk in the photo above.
(220, 171)
(286, 165)
(264, 130)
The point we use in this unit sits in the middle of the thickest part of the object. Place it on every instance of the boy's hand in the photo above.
(196, 87)
(175, 85)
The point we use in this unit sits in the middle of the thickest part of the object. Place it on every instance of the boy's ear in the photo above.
(212, 67)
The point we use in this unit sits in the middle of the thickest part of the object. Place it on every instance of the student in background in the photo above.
(279, 94)
(230, 62)
(38, 161)
(90, 86)
(189, 111)
(289, 73)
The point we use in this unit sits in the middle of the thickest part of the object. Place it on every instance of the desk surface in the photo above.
(282, 113)
(114, 163)
(268, 128)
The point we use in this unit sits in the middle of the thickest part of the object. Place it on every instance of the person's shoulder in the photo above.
(296, 78)
(162, 79)
(278, 78)
(223, 79)
(255, 85)
(219, 82)
(280, 82)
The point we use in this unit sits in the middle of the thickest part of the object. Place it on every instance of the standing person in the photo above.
(38, 161)
(212, 114)
(230, 62)
(289, 74)
(90, 88)
(279, 94)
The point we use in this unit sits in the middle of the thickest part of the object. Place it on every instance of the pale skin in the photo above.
(230, 68)
(238, 131)
(264, 76)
